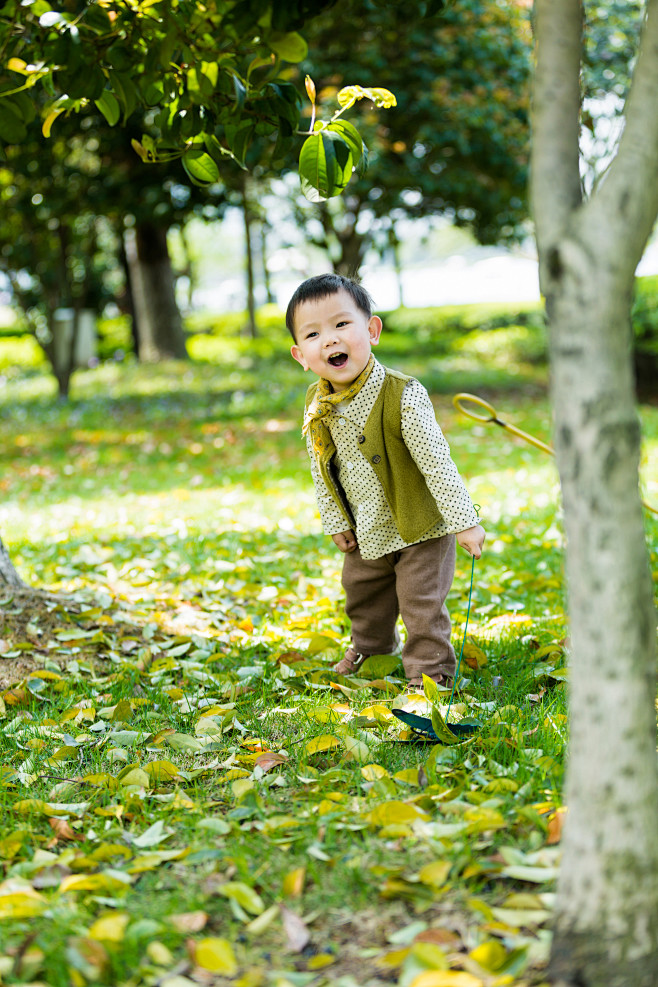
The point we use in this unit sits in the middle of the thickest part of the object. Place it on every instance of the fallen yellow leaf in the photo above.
(324, 743)
(489, 955)
(161, 770)
(216, 955)
(110, 927)
(389, 813)
(293, 882)
(135, 777)
(446, 978)
(434, 874)
(371, 772)
(23, 903)
(245, 896)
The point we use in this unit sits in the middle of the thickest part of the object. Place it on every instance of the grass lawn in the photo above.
(189, 794)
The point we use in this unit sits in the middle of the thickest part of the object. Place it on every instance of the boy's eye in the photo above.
(309, 335)
(339, 325)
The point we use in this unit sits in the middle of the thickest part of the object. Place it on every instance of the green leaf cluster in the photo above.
(328, 158)
(207, 81)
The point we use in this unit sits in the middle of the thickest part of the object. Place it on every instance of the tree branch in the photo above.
(628, 194)
(555, 187)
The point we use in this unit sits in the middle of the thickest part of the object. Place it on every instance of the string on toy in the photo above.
(468, 613)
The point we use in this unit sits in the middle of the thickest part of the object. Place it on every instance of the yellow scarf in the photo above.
(324, 399)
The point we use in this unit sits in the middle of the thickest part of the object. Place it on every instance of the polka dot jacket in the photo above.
(375, 529)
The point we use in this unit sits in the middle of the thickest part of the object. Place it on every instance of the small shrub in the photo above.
(20, 351)
(114, 337)
(507, 345)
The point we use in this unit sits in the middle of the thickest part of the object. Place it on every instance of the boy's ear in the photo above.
(375, 327)
(298, 355)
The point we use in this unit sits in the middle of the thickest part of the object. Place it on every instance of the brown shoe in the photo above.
(350, 663)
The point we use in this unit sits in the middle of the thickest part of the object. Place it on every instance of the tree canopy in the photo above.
(205, 79)
(457, 144)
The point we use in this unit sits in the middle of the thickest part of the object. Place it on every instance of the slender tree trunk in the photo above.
(606, 925)
(154, 297)
(129, 298)
(189, 271)
(397, 266)
(267, 281)
(249, 262)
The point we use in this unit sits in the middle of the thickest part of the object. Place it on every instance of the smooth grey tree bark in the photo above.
(8, 575)
(606, 923)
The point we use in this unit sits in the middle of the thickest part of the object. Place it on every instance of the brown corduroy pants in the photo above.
(413, 583)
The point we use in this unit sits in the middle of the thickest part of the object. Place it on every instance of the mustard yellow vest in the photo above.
(412, 505)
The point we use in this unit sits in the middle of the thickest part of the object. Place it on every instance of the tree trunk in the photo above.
(607, 916)
(8, 575)
(352, 250)
(129, 302)
(159, 321)
(267, 281)
(189, 269)
(346, 247)
(606, 925)
(249, 263)
(397, 265)
(65, 340)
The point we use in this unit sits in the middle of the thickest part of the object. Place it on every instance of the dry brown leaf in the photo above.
(290, 657)
(270, 759)
(295, 929)
(555, 824)
(189, 921)
(62, 830)
(440, 937)
(14, 697)
(473, 655)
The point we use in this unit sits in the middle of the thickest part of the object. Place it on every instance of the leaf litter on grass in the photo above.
(256, 779)
(190, 794)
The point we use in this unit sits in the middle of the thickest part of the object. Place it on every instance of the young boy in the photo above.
(388, 492)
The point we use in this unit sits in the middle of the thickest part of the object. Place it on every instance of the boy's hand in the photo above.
(472, 539)
(346, 540)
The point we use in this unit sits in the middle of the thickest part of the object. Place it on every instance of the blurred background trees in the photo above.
(88, 228)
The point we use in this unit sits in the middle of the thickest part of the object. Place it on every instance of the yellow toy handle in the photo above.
(491, 416)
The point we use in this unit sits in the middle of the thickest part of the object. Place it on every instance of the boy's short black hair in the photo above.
(322, 286)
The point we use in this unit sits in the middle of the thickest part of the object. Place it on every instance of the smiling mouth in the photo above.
(338, 359)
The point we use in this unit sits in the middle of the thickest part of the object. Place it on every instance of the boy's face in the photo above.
(334, 338)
